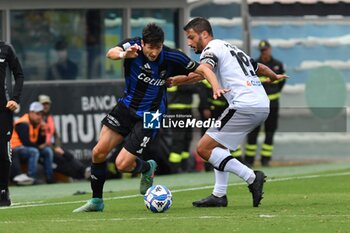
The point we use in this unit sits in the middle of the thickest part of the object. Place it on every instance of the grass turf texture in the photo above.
(313, 198)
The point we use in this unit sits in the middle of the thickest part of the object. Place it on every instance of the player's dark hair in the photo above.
(199, 25)
(153, 34)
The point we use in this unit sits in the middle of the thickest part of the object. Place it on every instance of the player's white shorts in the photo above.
(235, 125)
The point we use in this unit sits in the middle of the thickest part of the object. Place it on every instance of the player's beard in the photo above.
(199, 46)
(198, 51)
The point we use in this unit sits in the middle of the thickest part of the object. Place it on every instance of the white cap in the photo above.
(36, 107)
(44, 99)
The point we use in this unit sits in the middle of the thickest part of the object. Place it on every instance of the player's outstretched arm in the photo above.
(263, 70)
(178, 80)
(117, 53)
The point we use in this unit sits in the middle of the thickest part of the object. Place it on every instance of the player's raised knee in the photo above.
(99, 154)
(123, 166)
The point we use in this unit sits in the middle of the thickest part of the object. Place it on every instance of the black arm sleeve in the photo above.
(180, 63)
(22, 130)
(17, 71)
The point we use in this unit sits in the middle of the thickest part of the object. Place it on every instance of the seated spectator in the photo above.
(65, 161)
(64, 68)
(29, 143)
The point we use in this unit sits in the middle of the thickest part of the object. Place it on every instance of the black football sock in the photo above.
(98, 178)
(141, 166)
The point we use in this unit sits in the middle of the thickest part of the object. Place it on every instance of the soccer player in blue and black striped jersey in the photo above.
(147, 65)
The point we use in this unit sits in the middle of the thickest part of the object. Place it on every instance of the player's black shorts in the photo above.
(123, 121)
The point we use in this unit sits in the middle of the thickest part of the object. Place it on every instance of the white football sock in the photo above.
(233, 165)
(221, 179)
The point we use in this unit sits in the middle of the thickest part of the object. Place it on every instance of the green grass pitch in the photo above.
(310, 198)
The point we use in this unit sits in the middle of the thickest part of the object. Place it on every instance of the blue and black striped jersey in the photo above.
(145, 80)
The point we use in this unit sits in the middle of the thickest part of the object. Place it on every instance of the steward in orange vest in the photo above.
(27, 133)
(28, 142)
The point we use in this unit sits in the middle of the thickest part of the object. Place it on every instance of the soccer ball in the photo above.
(158, 198)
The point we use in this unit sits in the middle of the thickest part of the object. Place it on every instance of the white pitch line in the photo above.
(118, 219)
(27, 203)
(66, 202)
(269, 181)
(267, 216)
(158, 218)
(40, 203)
(305, 215)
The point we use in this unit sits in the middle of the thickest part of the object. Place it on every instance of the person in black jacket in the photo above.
(273, 90)
(8, 103)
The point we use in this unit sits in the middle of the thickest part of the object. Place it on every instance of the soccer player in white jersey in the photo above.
(248, 107)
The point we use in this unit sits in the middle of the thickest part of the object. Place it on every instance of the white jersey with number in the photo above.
(235, 70)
